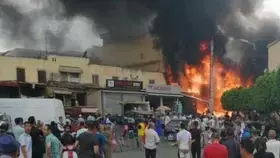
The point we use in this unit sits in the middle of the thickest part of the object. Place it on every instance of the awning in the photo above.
(165, 95)
(70, 69)
(9, 84)
(64, 91)
(89, 110)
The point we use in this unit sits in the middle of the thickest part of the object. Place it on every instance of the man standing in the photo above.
(231, 144)
(151, 141)
(87, 141)
(82, 129)
(215, 149)
(272, 144)
(247, 148)
(196, 140)
(184, 142)
(25, 141)
(53, 145)
(18, 130)
(8, 147)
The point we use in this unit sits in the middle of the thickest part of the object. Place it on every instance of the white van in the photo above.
(46, 110)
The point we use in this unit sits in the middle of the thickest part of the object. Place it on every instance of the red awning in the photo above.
(9, 84)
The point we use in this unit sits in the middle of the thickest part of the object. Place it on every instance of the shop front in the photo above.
(163, 95)
(118, 92)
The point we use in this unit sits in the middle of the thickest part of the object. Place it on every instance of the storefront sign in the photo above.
(163, 89)
(124, 85)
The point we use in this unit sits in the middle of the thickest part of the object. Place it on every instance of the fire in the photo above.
(195, 82)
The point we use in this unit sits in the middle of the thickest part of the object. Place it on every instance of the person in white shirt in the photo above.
(81, 119)
(90, 118)
(25, 142)
(184, 142)
(166, 119)
(151, 141)
(82, 129)
(272, 144)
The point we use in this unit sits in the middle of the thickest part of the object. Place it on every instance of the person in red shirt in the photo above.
(215, 149)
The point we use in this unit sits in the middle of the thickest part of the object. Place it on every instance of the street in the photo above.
(164, 150)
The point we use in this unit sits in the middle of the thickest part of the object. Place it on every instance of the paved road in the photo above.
(164, 151)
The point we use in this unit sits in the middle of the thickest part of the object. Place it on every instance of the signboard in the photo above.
(124, 84)
(163, 89)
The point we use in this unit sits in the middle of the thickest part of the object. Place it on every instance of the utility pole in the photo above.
(211, 79)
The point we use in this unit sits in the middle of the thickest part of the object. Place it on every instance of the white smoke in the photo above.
(48, 27)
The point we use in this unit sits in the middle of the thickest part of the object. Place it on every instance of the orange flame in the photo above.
(195, 82)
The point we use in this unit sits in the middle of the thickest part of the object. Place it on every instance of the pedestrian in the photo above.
(38, 144)
(260, 145)
(272, 144)
(141, 134)
(247, 148)
(8, 147)
(82, 129)
(53, 145)
(231, 144)
(215, 149)
(18, 129)
(196, 140)
(151, 141)
(25, 141)
(184, 139)
(87, 142)
(108, 146)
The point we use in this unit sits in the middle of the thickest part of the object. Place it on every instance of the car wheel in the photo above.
(170, 137)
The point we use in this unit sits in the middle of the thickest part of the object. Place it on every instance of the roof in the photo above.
(272, 43)
(38, 54)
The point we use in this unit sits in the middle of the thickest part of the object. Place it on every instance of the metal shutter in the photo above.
(132, 97)
(111, 103)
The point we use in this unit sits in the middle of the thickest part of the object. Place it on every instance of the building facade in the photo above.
(273, 55)
(137, 53)
(74, 80)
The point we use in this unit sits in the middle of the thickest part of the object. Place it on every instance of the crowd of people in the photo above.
(199, 136)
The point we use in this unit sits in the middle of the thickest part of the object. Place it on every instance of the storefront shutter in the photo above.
(132, 97)
(111, 103)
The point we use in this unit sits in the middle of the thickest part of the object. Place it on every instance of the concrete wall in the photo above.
(274, 56)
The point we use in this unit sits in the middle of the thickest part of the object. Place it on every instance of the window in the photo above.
(95, 79)
(63, 77)
(54, 59)
(115, 78)
(74, 77)
(152, 82)
(42, 77)
(21, 74)
(69, 77)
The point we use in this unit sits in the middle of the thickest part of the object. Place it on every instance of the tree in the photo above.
(264, 92)
(237, 99)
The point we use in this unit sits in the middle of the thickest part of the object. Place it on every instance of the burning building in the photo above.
(195, 80)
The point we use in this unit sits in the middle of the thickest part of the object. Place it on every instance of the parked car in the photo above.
(172, 128)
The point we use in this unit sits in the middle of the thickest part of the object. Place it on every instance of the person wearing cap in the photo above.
(215, 149)
(9, 147)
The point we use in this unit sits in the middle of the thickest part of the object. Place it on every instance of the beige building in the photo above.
(273, 55)
(74, 78)
(136, 52)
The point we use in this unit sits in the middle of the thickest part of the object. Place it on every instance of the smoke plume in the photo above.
(42, 24)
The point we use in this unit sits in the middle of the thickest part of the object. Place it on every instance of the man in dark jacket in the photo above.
(231, 144)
